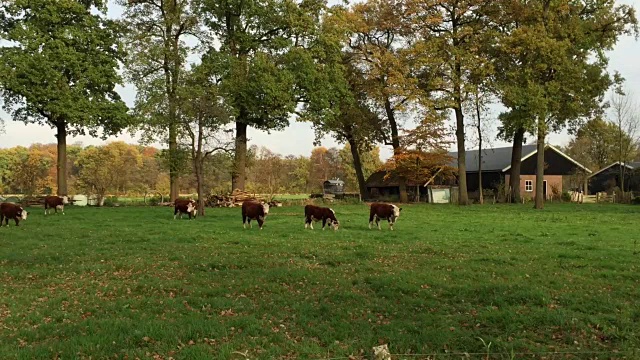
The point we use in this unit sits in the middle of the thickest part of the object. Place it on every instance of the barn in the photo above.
(562, 173)
(608, 178)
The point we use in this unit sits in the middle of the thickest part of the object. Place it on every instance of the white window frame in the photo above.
(528, 185)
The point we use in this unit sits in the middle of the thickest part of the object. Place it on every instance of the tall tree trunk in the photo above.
(463, 196)
(540, 165)
(479, 127)
(240, 161)
(200, 185)
(516, 162)
(395, 143)
(61, 167)
(173, 161)
(357, 165)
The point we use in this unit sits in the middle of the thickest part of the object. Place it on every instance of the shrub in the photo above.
(566, 196)
(636, 200)
(111, 201)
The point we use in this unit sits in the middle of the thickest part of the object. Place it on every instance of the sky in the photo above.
(297, 139)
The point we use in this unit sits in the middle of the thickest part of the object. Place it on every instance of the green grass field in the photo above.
(132, 282)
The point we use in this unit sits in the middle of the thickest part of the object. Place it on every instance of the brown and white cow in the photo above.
(55, 202)
(253, 210)
(12, 211)
(185, 206)
(380, 211)
(316, 213)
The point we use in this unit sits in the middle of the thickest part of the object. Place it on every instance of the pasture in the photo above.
(133, 283)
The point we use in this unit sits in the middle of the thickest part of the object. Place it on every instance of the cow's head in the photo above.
(334, 223)
(396, 211)
(265, 208)
(190, 207)
(65, 200)
(22, 213)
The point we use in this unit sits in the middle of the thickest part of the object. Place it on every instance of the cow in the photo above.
(185, 206)
(253, 210)
(380, 211)
(12, 211)
(55, 202)
(317, 213)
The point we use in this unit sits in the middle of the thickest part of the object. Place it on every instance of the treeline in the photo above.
(121, 169)
(360, 73)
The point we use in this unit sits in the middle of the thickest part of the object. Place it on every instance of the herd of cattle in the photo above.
(251, 210)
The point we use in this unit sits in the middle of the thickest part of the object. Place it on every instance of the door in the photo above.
(544, 189)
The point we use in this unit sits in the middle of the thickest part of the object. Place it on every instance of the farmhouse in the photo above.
(562, 173)
(608, 178)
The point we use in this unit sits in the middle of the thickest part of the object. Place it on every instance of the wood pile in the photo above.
(236, 198)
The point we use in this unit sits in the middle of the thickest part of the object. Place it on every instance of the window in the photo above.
(528, 185)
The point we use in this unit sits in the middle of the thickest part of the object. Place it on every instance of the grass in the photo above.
(132, 282)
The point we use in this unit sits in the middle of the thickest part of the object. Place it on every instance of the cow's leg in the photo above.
(307, 221)
(175, 213)
(244, 221)
(260, 221)
(378, 223)
(1, 219)
(17, 220)
(62, 209)
(370, 220)
(324, 222)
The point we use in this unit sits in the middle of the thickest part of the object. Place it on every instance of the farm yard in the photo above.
(481, 282)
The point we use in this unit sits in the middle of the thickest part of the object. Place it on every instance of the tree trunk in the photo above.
(516, 162)
(540, 166)
(479, 127)
(61, 127)
(173, 162)
(357, 165)
(395, 143)
(240, 161)
(200, 185)
(463, 197)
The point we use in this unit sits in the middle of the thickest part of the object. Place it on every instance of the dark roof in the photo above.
(492, 159)
(334, 181)
(632, 166)
(499, 159)
(377, 180)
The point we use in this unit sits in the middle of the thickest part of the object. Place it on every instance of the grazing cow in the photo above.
(252, 210)
(55, 202)
(185, 206)
(380, 211)
(12, 211)
(316, 213)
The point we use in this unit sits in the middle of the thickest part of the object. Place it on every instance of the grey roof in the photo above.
(634, 165)
(492, 159)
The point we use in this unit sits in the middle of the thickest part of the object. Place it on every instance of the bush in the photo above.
(636, 200)
(111, 201)
(566, 196)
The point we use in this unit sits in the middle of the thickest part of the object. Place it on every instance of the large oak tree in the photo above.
(59, 68)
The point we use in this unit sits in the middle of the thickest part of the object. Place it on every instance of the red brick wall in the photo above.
(552, 180)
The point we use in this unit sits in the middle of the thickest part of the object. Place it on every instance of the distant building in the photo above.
(608, 178)
(562, 173)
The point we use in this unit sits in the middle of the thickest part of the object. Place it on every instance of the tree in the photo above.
(156, 40)
(480, 99)
(95, 176)
(378, 49)
(597, 144)
(262, 46)
(369, 163)
(451, 39)
(203, 117)
(627, 119)
(125, 161)
(554, 64)
(59, 68)
(31, 172)
(267, 173)
(424, 154)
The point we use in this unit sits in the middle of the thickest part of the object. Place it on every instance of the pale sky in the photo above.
(298, 138)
